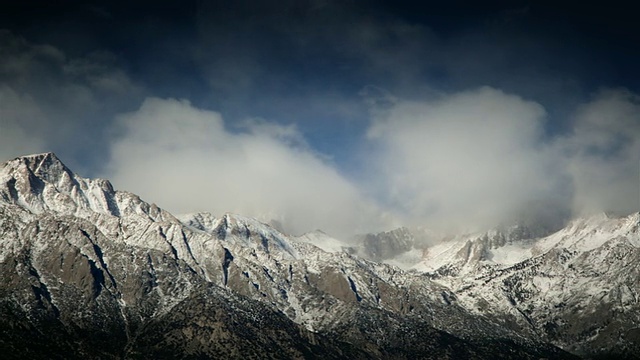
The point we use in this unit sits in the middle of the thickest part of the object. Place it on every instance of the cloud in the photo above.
(50, 101)
(19, 119)
(465, 161)
(468, 161)
(604, 153)
(444, 153)
(476, 159)
(185, 159)
(22, 119)
(302, 62)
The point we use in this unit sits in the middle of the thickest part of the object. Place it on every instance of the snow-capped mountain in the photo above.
(578, 288)
(90, 271)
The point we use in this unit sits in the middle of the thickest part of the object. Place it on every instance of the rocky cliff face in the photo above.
(91, 272)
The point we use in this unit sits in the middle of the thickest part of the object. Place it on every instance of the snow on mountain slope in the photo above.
(41, 182)
(241, 231)
(468, 253)
(324, 242)
(67, 240)
(577, 287)
(465, 253)
(66, 237)
(590, 233)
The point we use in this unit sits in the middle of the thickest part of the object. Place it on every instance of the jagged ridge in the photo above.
(85, 261)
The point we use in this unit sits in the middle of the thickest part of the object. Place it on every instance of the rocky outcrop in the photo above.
(386, 245)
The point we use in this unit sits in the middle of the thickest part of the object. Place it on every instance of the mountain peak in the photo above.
(46, 165)
(41, 182)
(40, 155)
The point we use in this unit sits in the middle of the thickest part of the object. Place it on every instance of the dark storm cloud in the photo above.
(261, 58)
(310, 62)
(50, 101)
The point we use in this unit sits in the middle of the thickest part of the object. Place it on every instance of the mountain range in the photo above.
(87, 271)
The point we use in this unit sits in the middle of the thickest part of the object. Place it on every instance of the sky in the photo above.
(345, 116)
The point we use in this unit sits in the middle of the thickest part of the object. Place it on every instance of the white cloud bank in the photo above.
(466, 161)
(604, 153)
(479, 158)
(52, 102)
(185, 160)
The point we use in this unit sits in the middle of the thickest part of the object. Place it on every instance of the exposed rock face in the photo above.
(385, 245)
(90, 272)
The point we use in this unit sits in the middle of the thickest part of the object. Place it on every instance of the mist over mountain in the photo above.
(468, 161)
